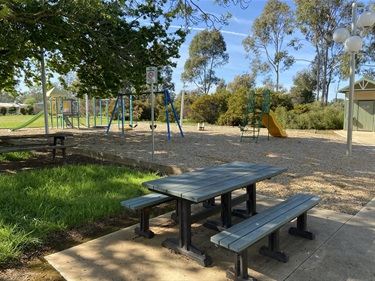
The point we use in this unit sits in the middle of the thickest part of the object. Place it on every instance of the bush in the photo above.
(23, 110)
(30, 110)
(3, 110)
(12, 110)
(312, 116)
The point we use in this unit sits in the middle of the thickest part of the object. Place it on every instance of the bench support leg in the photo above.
(183, 244)
(144, 225)
(273, 249)
(251, 203)
(300, 230)
(239, 272)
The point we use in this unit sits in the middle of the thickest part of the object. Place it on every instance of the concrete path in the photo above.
(359, 137)
(344, 249)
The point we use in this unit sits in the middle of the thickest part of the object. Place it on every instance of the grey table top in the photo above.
(200, 185)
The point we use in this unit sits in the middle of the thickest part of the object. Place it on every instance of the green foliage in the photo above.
(12, 110)
(37, 203)
(304, 85)
(105, 42)
(268, 39)
(30, 110)
(317, 20)
(208, 108)
(16, 156)
(23, 111)
(237, 103)
(3, 110)
(312, 116)
(207, 52)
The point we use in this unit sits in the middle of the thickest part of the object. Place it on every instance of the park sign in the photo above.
(151, 75)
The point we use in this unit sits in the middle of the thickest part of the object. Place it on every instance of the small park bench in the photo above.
(244, 234)
(144, 204)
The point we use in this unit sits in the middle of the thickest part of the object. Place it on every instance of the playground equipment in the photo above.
(254, 118)
(120, 103)
(35, 117)
(64, 108)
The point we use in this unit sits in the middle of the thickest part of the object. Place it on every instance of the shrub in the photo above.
(30, 110)
(3, 110)
(23, 110)
(12, 110)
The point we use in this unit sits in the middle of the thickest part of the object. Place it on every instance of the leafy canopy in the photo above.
(108, 43)
(207, 52)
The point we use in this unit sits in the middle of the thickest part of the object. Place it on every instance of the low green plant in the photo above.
(16, 156)
(36, 203)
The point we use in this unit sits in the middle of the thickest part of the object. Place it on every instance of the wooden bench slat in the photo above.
(268, 223)
(269, 227)
(16, 148)
(145, 201)
(250, 224)
(246, 233)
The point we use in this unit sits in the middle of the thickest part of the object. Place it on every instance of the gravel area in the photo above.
(316, 161)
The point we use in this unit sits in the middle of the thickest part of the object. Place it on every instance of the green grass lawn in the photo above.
(12, 121)
(34, 204)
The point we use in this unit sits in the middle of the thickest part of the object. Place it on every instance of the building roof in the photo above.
(56, 93)
(363, 84)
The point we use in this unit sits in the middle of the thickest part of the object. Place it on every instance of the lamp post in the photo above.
(352, 44)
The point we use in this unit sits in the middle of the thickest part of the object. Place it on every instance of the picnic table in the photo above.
(205, 184)
(30, 142)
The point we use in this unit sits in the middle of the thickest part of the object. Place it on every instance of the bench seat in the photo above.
(144, 204)
(36, 147)
(244, 234)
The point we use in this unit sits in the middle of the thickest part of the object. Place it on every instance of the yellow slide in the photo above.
(275, 128)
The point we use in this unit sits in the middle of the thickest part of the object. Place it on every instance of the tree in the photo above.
(208, 108)
(269, 33)
(207, 52)
(304, 85)
(246, 81)
(190, 11)
(103, 41)
(317, 20)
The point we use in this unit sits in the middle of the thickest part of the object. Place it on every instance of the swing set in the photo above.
(120, 104)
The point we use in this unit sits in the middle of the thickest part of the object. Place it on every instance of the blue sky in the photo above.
(238, 28)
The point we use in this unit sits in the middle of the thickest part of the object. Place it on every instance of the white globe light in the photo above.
(353, 44)
(366, 19)
(340, 35)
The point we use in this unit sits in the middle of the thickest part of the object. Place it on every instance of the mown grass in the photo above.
(12, 121)
(35, 204)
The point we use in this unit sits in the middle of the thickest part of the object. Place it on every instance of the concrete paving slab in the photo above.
(359, 137)
(124, 255)
(348, 255)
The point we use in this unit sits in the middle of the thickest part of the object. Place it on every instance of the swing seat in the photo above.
(154, 126)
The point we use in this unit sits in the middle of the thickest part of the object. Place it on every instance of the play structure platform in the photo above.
(255, 118)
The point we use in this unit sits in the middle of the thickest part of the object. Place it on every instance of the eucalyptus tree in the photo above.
(267, 44)
(318, 20)
(304, 84)
(207, 52)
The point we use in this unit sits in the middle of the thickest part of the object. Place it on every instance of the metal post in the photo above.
(44, 90)
(152, 120)
(351, 84)
(87, 111)
(182, 106)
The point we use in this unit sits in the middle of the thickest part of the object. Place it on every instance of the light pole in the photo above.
(353, 43)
